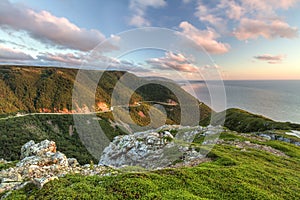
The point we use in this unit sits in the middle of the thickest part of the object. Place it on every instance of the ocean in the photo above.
(275, 99)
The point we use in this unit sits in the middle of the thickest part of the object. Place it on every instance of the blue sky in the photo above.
(246, 39)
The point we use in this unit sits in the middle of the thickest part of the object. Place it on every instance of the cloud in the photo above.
(171, 61)
(45, 27)
(215, 66)
(67, 58)
(252, 29)
(95, 60)
(204, 39)
(248, 19)
(9, 54)
(207, 15)
(220, 13)
(130, 66)
(271, 59)
(268, 6)
(138, 21)
(139, 7)
(234, 11)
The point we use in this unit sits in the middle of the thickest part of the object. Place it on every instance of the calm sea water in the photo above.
(278, 100)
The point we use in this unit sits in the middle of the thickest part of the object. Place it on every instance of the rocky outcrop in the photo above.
(40, 149)
(41, 163)
(274, 136)
(155, 148)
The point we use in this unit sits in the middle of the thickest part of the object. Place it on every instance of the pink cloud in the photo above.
(234, 11)
(268, 6)
(204, 39)
(253, 28)
(174, 61)
(9, 54)
(68, 58)
(271, 59)
(250, 18)
(46, 27)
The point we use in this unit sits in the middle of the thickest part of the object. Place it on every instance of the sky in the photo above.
(241, 39)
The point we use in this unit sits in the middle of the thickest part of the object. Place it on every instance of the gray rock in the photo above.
(32, 149)
(267, 137)
(40, 164)
(297, 143)
(72, 162)
(152, 149)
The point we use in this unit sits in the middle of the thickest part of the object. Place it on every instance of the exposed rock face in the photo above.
(41, 163)
(32, 149)
(155, 148)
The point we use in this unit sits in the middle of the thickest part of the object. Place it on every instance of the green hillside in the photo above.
(49, 88)
(35, 89)
(243, 121)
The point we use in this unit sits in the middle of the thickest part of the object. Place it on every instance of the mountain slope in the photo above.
(46, 89)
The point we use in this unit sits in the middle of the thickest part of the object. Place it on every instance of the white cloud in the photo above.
(209, 16)
(252, 29)
(95, 60)
(139, 7)
(271, 59)
(46, 27)
(138, 21)
(204, 39)
(9, 54)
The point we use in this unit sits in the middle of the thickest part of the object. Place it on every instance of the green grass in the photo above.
(232, 174)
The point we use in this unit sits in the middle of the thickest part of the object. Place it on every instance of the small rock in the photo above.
(40, 182)
(267, 137)
(72, 162)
